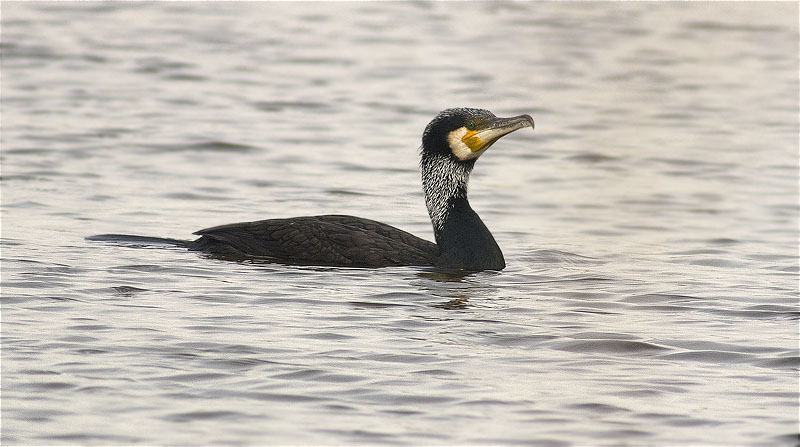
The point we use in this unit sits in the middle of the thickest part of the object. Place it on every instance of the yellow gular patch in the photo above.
(473, 142)
(465, 144)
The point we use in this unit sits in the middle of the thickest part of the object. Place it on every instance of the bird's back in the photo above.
(319, 240)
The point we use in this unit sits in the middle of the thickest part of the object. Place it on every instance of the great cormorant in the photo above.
(451, 144)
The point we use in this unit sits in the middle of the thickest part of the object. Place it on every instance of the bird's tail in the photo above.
(129, 239)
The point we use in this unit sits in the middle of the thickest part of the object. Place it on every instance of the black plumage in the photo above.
(450, 145)
(479, 251)
(318, 240)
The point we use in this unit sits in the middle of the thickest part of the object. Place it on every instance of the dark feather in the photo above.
(319, 240)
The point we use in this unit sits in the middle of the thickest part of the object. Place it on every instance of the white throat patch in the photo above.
(459, 148)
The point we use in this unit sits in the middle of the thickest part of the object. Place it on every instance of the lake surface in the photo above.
(649, 224)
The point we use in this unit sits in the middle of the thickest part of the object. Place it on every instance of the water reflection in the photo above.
(459, 303)
(457, 287)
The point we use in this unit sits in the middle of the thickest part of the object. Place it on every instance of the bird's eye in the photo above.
(470, 125)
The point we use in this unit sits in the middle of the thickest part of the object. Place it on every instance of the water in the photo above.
(650, 224)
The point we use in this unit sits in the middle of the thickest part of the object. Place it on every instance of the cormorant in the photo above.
(451, 144)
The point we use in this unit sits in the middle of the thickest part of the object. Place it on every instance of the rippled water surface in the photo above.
(650, 224)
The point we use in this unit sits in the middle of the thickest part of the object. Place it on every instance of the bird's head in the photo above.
(465, 134)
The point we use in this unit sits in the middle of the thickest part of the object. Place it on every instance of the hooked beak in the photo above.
(490, 131)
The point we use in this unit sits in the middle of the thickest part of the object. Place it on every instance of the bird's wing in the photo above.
(331, 240)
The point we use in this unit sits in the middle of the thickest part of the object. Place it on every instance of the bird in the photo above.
(451, 144)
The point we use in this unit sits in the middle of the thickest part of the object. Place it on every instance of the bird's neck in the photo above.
(463, 240)
(443, 181)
